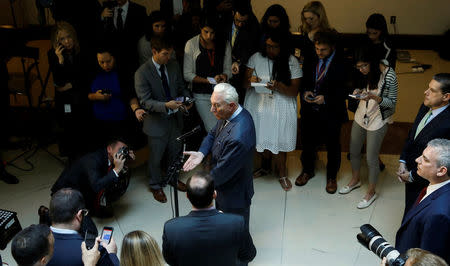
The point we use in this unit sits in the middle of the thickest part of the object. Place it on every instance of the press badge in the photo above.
(67, 108)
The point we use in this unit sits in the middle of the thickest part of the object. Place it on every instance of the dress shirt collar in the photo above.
(63, 231)
(124, 9)
(435, 112)
(433, 188)
(204, 209)
(327, 60)
(236, 113)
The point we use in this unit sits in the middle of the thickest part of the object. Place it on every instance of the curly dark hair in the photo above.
(281, 71)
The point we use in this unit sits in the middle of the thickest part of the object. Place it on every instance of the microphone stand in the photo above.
(175, 167)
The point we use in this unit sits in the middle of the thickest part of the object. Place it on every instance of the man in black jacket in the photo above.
(96, 176)
(432, 121)
(323, 108)
(206, 236)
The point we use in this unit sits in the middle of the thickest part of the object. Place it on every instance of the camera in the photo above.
(110, 4)
(125, 152)
(374, 241)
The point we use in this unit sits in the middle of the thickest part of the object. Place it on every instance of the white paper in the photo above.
(212, 81)
(258, 84)
(67, 108)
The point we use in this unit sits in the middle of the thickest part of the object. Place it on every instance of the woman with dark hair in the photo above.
(272, 103)
(69, 77)
(377, 96)
(207, 61)
(114, 101)
(275, 19)
(379, 41)
(155, 26)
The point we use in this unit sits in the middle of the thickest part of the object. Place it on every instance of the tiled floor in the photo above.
(305, 226)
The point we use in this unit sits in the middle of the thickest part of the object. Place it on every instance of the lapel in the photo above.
(432, 125)
(128, 17)
(424, 204)
(171, 78)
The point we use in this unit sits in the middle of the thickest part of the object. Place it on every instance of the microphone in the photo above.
(188, 134)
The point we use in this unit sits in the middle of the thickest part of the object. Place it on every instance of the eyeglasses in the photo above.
(85, 212)
(361, 66)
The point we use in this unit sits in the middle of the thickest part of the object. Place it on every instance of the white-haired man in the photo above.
(232, 146)
(427, 223)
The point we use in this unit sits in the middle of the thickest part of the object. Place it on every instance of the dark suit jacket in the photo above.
(427, 225)
(333, 88)
(207, 237)
(152, 97)
(89, 175)
(439, 127)
(246, 43)
(67, 251)
(232, 152)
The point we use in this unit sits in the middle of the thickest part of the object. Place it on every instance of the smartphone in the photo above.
(107, 234)
(311, 97)
(188, 101)
(89, 239)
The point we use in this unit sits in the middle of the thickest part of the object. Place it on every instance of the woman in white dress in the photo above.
(272, 103)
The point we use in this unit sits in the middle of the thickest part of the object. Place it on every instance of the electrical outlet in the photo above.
(393, 19)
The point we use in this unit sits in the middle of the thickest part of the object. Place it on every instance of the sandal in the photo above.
(260, 172)
(285, 183)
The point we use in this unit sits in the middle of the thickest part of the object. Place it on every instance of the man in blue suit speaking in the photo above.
(232, 146)
(427, 224)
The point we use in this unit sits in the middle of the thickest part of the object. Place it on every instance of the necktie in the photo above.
(119, 22)
(422, 123)
(164, 82)
(422, 194)
(321, 70)
(233, 38)
(225, 123)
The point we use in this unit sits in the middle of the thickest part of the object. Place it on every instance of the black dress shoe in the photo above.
(7, 177)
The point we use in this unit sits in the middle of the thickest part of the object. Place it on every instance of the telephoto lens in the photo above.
(374, 241)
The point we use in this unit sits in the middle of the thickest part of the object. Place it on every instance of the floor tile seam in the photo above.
(283, 227)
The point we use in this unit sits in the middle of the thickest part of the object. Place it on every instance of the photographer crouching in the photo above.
(101, 176)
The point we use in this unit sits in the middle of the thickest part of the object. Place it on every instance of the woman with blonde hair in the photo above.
(69, 77)
(140, 249)
(314, 19)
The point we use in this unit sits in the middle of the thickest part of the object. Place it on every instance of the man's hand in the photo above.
(140, 114)
(119, 161)
(307, 95)
(235, 68)
(111, 247)
(255, 79)
(107, 13)
(132, 155)
(320, 99)
(100, 96)
(195, 159)
(174, 105)
(403, 173)
(90, 257)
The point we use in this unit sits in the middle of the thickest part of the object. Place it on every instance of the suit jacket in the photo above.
(207, 237)
(89, 175)
(152, 97)
(427, 225)
(246, 43)
(333, 88)
(232, 152)
(439, 127)
(67, 251)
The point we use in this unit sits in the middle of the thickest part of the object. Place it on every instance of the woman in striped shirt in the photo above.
(377, 97)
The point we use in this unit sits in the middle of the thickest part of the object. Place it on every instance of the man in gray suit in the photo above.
(158, 83)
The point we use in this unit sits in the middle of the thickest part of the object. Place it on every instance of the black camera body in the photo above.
(125, 151)
(374, 241)
(110, 4)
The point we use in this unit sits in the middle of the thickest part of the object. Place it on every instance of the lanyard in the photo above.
(211, 54)
(327, 64)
